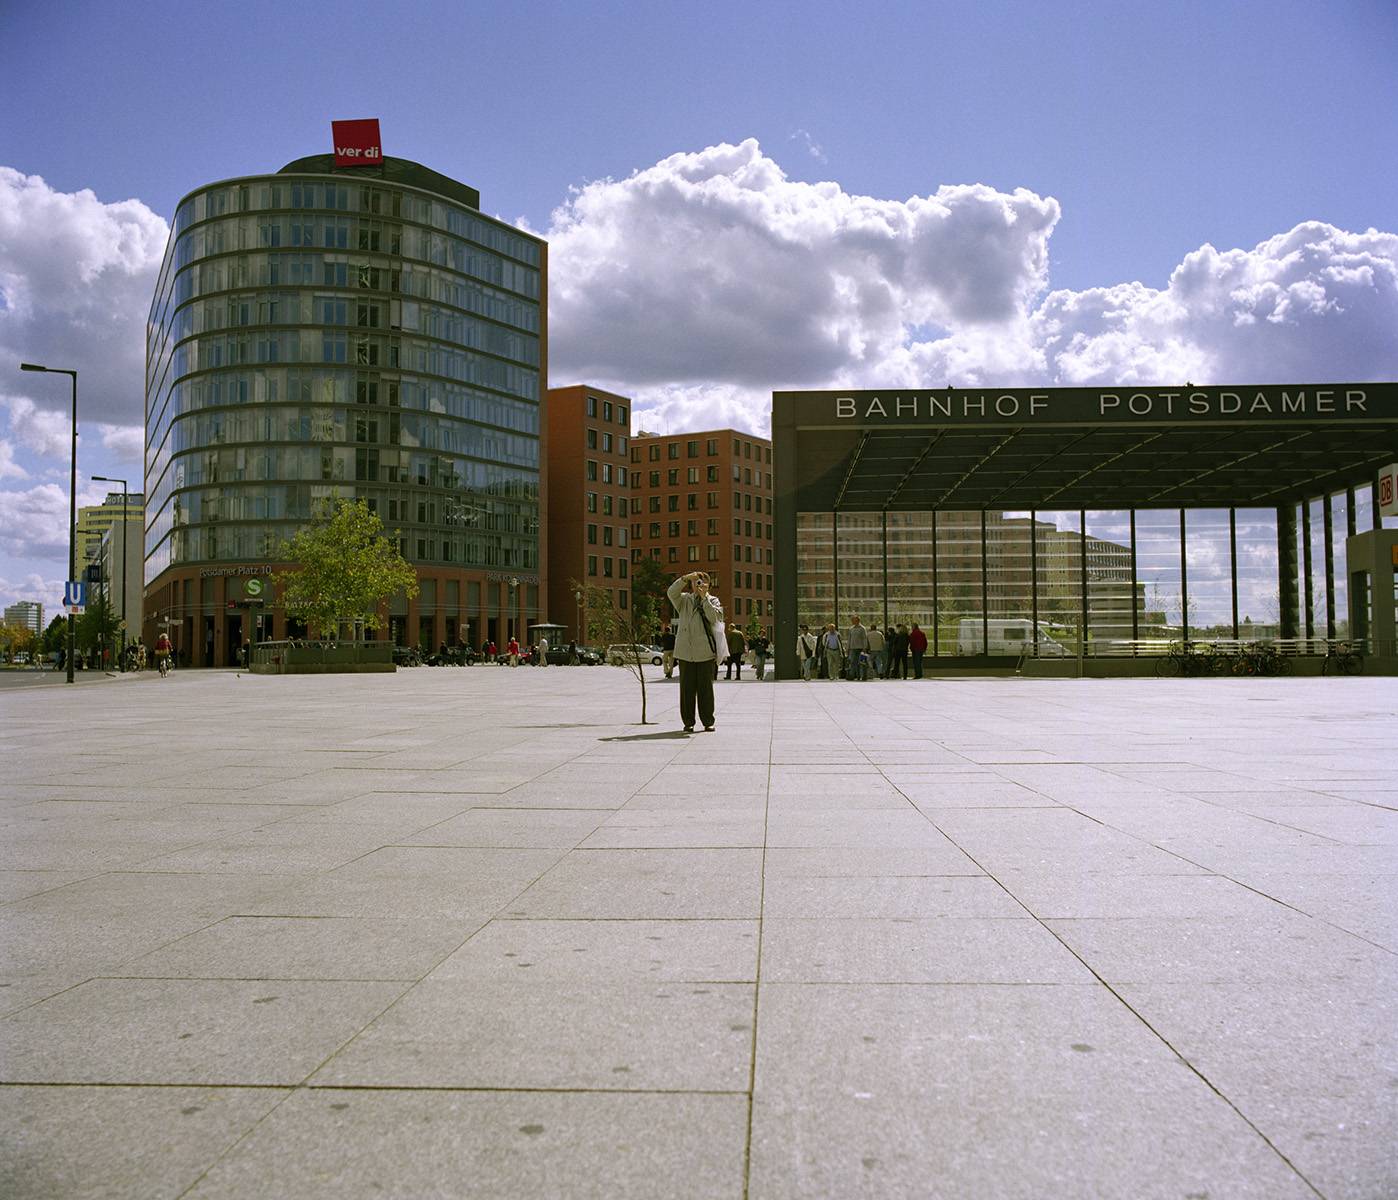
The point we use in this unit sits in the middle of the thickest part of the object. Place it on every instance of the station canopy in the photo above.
(1067, 448)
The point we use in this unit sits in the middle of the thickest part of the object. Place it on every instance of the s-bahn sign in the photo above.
(1124, 405)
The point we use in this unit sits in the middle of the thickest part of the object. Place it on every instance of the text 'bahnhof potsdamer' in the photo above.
(1076, 522)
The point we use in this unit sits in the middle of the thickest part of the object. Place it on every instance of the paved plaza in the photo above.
(476, 933)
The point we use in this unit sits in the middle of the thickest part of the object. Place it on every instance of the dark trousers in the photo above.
(900, 668)
(696, 684)
(917, 663)
(734, 662)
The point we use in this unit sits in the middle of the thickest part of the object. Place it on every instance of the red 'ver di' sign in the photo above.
(357, 143)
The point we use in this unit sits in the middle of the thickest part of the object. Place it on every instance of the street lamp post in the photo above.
(121, 654)
(578, 596)
(72, 495)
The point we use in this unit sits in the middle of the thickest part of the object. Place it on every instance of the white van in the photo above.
(1006, 637)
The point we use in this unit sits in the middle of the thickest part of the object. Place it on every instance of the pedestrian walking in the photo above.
(667, 651)
(761, 646)
(699, 633)
(917, 644)
(899, 664)
(878, 652)
(857, 646)
(543, 651)
(512, 650)
(806, 652)
(737, 645)
(834, 652)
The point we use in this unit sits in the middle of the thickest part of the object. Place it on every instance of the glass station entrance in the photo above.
(1079, 530)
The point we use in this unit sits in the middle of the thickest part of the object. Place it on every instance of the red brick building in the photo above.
(587, 468)
(703, 501)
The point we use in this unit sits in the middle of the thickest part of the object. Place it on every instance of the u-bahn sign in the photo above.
(1021, 406)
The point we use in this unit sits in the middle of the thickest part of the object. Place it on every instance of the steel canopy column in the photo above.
(1034, 574)
(784, 537)
(835, 563)
(1082, 584)
(1306, 566)
(936, 608)
(883, 516)
(1184, 583)
(985, 591)
(1135, 589)
(1329, 519)
(1233, 564)
(1287, 592)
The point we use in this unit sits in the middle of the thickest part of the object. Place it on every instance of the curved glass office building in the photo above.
(321, 334)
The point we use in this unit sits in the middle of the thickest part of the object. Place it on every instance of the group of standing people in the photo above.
(861, 652)
(735, 646)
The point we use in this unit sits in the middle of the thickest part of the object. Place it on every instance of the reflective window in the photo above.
(1158, 571)
(1210, 578)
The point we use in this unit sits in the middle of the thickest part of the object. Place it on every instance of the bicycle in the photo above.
(1343, 658)
(163, 662)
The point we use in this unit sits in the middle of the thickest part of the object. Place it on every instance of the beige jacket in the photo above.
(691, 641)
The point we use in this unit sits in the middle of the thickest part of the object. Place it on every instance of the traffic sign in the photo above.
(252, 587)
(75, 595)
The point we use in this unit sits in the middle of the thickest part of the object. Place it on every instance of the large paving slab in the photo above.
(475, 933)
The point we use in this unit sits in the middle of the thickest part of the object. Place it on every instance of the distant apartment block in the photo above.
(95, 519)
(26, 614)
(703, 501)
(589, 484)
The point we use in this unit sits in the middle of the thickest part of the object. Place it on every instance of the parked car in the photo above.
(622, 655)
(558, 656)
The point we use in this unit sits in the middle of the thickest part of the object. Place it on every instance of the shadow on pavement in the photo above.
(647, 737)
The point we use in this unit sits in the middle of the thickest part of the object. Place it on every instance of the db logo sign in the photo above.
(1388, 485)
(357, 143)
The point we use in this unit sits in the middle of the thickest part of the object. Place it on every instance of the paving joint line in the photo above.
(1134, 1012)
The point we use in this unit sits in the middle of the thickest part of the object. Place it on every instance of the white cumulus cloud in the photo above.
(48, 592)
(34, 521)
(47, 432)
(9, 469)
(715, 268)
(127, 442)
(1314, 303)
(703, 283)
(76, 279)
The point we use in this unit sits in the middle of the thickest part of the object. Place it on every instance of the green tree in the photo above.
(346, 568)
(648, 584)
(753, 627)
(56, 635)
(631, 627)
(12, 639)
(96, 629)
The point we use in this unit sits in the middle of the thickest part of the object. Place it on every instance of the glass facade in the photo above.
(314, 338)
(1102, 575)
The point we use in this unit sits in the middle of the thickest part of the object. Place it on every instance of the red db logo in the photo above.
(357, 143)
(1385, 490)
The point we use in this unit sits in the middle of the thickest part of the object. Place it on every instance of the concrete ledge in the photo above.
(1140, 668)
(332, 668)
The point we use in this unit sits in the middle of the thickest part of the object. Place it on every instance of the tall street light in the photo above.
(72, 495)
(121, 656)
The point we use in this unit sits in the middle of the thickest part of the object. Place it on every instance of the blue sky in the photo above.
(1112, 141)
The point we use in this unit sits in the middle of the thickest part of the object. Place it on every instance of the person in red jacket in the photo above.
(513, 651)
(917, 643)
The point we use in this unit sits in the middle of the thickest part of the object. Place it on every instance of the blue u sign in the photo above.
(75, 594)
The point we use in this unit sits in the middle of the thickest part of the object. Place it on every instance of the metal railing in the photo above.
(320, 652)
